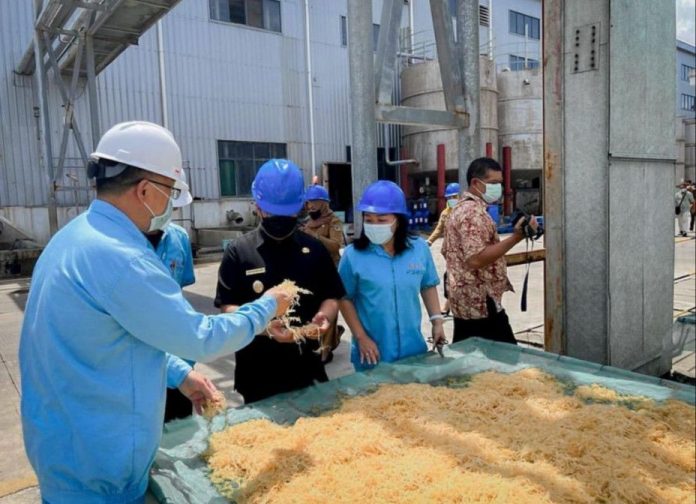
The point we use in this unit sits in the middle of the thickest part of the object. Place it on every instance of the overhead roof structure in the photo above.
(117, 25)
(79, 38)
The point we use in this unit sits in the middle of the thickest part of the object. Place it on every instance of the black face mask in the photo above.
(315, 214)
(279, 227)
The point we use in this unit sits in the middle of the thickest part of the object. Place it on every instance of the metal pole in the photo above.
(490, 29)
(310, 91)
(507, 179)
(45, 123)
(526, 34)
(162, 75)
(411, 24)
(468, 42)
(362, 97)
(92, 89)
(554, 239)
(441, 166)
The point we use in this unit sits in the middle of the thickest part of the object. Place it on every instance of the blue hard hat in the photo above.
(278, 187)
(317, 192)
(452, 190)
(383, 197)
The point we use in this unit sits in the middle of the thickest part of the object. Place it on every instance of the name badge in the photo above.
(257, 271)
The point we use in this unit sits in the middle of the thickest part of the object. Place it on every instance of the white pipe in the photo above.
(526, 33)
(490, 29)
(411, 32)
(386, 150)
(310, 91)
(162, 76)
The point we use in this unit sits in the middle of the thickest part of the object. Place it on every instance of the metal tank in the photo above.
(520, 115)
(421, 86)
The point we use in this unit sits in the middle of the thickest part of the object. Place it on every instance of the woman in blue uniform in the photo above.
(384, 271)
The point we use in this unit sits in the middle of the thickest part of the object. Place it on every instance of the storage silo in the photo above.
(520, 115)
(421, 86)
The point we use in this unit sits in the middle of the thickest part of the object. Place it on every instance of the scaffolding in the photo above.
(78, 39)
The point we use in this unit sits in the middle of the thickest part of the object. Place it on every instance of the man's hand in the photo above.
(279, 332)
(519, 231)
(198, 389)
(282, 299)
(321, 320)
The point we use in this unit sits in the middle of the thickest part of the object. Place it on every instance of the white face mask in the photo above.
(159, 222)
(452, 202)
(493, 193)
(379, 234)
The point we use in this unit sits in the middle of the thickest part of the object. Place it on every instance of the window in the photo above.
(258, 13)
(688, 102)
(344, 33)
(518, 23)
(517, 63)
(685, 69)
(239, 161)
(484, 16)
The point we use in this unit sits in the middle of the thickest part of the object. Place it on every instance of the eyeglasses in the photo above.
(174, 194)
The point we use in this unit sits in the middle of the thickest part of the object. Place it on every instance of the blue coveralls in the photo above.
(102, 313)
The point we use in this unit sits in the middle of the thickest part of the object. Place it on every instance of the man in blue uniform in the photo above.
(102, 314)
(173, 246)
(274, 252)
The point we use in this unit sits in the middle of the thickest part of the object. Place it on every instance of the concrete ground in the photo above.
(17, 482)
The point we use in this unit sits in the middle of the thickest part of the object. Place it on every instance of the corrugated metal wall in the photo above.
(224, 82)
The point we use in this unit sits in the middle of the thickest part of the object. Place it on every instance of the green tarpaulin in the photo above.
(180, 475)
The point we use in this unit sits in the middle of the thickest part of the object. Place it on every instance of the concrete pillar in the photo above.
(362, 101)
(608, 170)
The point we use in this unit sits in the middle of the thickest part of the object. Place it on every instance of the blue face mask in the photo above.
(159, 222)
(493, 193)
(379, 234)
(452, 202)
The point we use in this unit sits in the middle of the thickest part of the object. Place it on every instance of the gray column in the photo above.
(468, 43)
(609, 160)
(41, 82)
(362, 97)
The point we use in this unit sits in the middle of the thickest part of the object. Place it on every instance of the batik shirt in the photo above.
(469, 230)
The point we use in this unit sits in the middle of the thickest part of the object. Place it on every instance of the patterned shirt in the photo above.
(469, 230)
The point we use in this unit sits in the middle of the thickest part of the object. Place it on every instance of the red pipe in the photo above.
(403, 174)
(507, 178)
(489, 150)
(441, 177)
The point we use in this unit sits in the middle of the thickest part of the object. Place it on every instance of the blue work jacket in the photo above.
(386, 293)
(174, 250)
(102, 313)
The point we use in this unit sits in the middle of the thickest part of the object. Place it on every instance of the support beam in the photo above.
(554, 240)
(412, 116)
(362, 97)
(45, 124)
(468, 43)
(387, 46)
(449, 62)
(92, 89)
(610, 283)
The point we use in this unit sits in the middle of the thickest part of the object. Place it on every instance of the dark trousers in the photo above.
(495, 327)
(177, 406)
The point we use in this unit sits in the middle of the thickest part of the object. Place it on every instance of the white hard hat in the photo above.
(144, 145)
(185, 197)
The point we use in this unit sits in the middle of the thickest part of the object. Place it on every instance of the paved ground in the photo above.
(16, 474)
